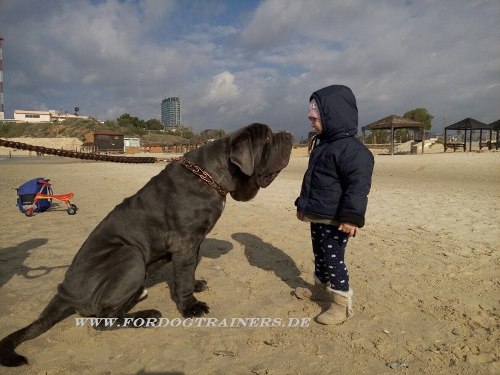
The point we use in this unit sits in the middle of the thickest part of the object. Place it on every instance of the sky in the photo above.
(233, 63)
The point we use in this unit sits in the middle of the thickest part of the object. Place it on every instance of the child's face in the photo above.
(316, 124)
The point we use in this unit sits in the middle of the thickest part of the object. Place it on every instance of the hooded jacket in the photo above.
(338, 178)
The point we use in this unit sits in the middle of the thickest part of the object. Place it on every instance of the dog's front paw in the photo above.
(198, 308)
(199, 286)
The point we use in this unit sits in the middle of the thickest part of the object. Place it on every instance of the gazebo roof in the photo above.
(495, 125)
(393, 122)
(468, 123)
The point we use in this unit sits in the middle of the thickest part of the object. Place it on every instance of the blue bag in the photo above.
(26, 195)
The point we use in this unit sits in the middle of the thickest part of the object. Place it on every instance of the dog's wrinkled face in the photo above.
(257, 156)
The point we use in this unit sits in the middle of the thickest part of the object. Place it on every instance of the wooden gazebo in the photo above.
(494, 127)
(395, 122)
(469, 124)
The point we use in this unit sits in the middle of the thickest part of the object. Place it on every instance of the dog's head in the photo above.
(256, 157)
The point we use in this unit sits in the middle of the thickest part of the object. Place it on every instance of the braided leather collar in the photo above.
(203, 175)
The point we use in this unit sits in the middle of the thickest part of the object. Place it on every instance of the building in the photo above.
(21, 115)
(171, 112)
(131, 142)
(105, 141)
(131, 145)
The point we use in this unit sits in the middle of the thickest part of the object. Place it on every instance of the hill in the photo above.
(78, 128)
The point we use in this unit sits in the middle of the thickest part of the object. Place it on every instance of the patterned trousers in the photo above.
(329, 246)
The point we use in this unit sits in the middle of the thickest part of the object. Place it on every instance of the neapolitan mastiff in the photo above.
(164, 221)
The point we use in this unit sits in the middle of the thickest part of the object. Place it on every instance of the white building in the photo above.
(131, 142)
(21, 115)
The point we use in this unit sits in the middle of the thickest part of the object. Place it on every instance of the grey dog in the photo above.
(164, 221)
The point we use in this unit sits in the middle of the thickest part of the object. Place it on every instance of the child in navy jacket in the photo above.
(334, 196)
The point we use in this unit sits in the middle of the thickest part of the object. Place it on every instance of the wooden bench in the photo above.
(489, 145)
(454, 146)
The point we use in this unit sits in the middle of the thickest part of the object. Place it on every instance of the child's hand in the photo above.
(350, 229)
(300, 215)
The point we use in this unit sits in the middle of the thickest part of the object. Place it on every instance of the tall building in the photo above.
(171, 112)
(2, 114)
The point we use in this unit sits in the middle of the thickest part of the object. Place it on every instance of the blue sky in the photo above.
(237, 62)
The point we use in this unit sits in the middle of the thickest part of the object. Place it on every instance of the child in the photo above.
(334, 196)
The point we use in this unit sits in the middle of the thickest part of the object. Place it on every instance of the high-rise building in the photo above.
(171, 112)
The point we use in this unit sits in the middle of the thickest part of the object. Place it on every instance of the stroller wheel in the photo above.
(72, 209)
(29, 211)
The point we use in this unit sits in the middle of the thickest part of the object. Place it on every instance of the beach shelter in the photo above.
(393, 122)
(467, 124)
(495, 127)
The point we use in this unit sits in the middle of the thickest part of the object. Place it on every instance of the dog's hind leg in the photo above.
(122, 290)
(123, 318)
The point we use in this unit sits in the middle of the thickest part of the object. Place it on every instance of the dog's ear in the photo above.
(241, 153)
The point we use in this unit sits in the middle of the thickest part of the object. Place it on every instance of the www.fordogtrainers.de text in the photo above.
(194, 322)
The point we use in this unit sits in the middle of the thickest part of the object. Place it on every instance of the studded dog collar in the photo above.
(202, 175)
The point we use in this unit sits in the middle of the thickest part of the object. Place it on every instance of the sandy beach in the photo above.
(424, 269)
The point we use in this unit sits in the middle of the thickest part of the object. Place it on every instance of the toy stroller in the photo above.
(36, 195)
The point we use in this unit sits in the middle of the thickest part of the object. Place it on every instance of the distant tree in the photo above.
(212, 134)
(108, 124)
(402, 135)
(154, 124)
(378, 137)
(185, 133)
(420, 115)
(127, 121)
(140, 124)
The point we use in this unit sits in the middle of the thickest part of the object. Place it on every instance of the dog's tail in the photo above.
(56, 310)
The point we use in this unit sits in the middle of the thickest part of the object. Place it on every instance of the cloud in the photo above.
(232, 64)
(154, 11)
(222, 89)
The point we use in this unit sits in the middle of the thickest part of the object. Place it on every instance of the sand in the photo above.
(424, 269)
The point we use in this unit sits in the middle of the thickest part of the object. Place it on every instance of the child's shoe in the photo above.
(340, 310)
(318, 292)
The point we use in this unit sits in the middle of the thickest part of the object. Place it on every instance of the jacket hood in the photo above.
(339, 113)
